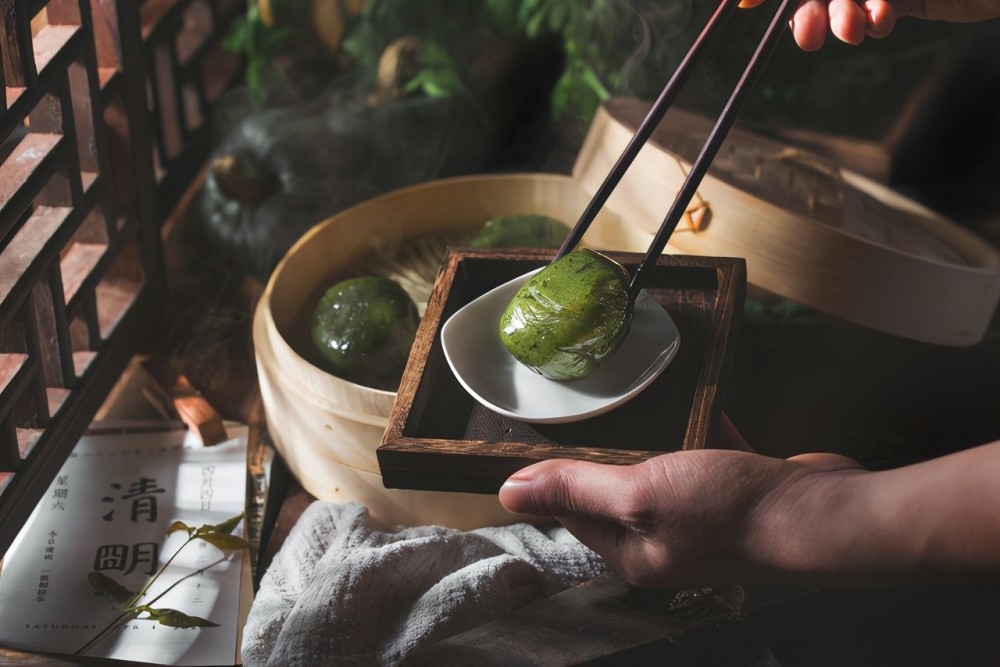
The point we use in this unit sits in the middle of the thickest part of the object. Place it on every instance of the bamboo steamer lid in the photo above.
(810, 231)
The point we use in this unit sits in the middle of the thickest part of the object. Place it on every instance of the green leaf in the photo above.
(753, 309)
(224, 541)
(238, 36)
(433, 89)
(593, 81)
(786, 309)
(433, 54)
(441, 82)
(253, 74)
(111, 588)
(528, 9)
(533, 28)
(228, 525)
(364, 44)
(178, 619)
(272, 40)
(177, 526)
(502, 15)
(416, 83)
(559, 14)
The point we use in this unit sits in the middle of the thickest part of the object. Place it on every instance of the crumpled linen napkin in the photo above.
(344, 590)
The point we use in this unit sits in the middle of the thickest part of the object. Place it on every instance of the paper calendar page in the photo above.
(108, 511)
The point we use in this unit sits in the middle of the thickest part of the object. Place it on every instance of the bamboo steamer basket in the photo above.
(811, 232)
(327, 429)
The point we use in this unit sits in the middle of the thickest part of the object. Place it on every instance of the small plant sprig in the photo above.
(129, 602)
(255, 37)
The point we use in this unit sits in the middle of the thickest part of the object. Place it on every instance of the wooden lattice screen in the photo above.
(103, 124)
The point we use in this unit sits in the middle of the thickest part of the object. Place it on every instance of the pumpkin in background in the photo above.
(281, 171)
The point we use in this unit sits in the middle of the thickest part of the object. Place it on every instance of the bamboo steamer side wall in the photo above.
(103, 123)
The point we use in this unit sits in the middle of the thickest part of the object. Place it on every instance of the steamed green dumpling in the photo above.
(364, 329)
(569, 316)
(521, 231)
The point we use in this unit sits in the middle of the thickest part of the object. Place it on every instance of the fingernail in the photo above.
(515, 482)
(521, 477)
(519, 480)
(514, 485)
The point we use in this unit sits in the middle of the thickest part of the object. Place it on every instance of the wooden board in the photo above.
(439, 438)
(810, 231)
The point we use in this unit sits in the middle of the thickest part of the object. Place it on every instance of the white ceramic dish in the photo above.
(498, 381)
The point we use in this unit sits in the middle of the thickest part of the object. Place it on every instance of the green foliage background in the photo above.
(630, 47)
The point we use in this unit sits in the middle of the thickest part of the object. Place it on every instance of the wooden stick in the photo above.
(191, 407)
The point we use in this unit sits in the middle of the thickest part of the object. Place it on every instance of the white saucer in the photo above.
(482, 365)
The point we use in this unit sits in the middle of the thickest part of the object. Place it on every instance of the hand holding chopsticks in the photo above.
(851, 21)
(708, 151)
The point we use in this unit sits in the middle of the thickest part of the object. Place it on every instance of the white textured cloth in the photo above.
(343, 590)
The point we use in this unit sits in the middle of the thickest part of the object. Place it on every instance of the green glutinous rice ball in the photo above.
(521, 231)
(364, 329)
(569, 316)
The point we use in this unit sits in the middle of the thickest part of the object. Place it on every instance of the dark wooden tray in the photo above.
(439, 438)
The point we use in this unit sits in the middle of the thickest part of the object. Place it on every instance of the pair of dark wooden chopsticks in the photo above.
(711, 146)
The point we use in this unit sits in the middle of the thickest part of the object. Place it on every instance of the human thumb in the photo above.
(560, 487)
